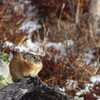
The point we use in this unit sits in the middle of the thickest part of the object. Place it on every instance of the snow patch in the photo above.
(62, 89)
(89, 57)
(59, 46)
(70, 42)
(36, 48)
(29, 12)
(7, 43)
(95, 79)
(71, 84)
(86, 90)
(29, 26)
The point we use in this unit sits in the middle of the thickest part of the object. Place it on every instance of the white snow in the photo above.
(17, 7)
(62, 89)
(95, 79)
(98, 97)
(88, 86)
(31, 21)
(27, 2)
(70, 42)
(71, 84)
(89, 56)
(86, 90)
(29, 26)
(22, 48)
(78, 98)
(36, 48)
(80, 92)
(95, 64)
(59, 46)
(7, 43)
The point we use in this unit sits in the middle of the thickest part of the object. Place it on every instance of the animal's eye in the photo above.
(26, 56)
(33, 57)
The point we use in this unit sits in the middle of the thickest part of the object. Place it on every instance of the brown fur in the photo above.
(20, 67)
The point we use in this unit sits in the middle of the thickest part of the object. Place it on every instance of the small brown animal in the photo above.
(24, 64)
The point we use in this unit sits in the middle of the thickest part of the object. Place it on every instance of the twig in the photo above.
(79, 64)
(20, 21)
(44, 28)
(98, 67)
(3, 10)
(63, 6)
(92, 35)
(46, 32)
(53, 78)
(75, 89)
(77, 13)
(23, 39)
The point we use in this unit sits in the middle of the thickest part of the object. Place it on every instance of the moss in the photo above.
(2, 82)
(5, 57)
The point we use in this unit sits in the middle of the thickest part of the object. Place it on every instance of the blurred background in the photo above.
(64, 33)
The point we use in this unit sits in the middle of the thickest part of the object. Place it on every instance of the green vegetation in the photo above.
(4, 57)
(2, 82)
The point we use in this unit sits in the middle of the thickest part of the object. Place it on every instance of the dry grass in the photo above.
(60, 25)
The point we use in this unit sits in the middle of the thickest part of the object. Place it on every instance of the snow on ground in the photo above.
(59, 46)
(87, 89)
(95, 79)
(70, 42)
(62, 89)
(36, 48)
(29, 26)
(71, 84)
(89, 56)
(27, 10)
(7, 43)
(89, 86)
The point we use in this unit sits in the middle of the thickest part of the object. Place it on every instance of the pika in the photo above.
(23, 65)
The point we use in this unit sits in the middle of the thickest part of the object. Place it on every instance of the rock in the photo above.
(4, 69)
(31, 88)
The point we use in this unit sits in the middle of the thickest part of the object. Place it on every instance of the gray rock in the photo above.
(4, 69)
(31, 88)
